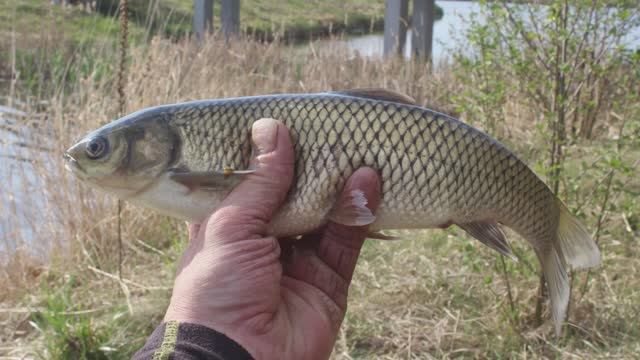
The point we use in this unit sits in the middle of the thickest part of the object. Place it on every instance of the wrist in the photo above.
(250, 334)
(182, 340)
(184, 312)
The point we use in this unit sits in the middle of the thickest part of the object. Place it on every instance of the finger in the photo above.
(306, 266)
(329, 265)
(340, 245)
(247, 210)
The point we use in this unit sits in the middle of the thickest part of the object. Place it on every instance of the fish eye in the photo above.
(97, 148)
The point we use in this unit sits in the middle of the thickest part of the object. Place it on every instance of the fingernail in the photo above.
(265, 135)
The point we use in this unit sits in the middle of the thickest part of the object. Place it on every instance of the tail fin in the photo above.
(555, 274)
(577, 247)
(574, 247)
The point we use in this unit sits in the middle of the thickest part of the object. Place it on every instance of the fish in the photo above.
(183, 159)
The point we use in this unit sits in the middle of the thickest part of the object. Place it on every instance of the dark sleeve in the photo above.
(177, 341)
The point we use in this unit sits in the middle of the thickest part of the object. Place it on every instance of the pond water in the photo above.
(14, 170)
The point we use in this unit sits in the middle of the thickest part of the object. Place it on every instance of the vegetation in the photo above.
(173, 17)
(293, 18)
(50, 40)
(434, 294)
(564, 55)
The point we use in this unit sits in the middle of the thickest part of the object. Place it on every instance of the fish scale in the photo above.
(436, 171)
(339, 133)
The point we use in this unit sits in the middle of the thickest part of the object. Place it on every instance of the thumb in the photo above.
(249, 207)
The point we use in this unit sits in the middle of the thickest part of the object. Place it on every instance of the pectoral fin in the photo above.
(490, 234)
(215, 180)
(352, 210)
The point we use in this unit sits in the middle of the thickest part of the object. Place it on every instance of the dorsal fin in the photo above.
(378, 94)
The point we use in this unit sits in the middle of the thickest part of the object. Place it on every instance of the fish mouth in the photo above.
(71, 164)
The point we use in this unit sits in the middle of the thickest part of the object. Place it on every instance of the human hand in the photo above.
(233, 279)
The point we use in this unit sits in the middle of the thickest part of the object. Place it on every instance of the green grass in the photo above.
(69, 331)
(70, 335)
(298, 19)
(74, 317)
(35, 19)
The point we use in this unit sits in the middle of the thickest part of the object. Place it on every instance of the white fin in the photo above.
(352, 210)
(490, 234)
(572, 247)
(577, 247)
(381, 236)
(224, 179)
(558, 286)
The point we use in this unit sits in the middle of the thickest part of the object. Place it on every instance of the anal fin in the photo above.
(490, 234)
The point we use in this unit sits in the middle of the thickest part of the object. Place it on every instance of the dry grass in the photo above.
(436, 294)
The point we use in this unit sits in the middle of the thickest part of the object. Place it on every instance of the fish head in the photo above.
(125, 157)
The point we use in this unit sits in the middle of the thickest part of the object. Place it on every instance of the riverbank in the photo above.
(28, 24)
(39, 41)
(34, 19)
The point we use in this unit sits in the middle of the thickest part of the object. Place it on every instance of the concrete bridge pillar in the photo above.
(422, 27)
(230, 17)
(396, 22)
(202, 17)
